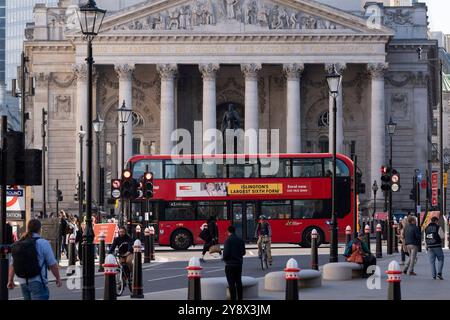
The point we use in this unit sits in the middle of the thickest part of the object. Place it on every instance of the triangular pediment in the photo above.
(236, 16)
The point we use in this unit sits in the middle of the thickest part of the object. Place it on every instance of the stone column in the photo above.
(340, 68)
(80, 72)
(168, 74)
(250, 71)
(293, 117)
(125, 73)
(209, 74)
(378, 119)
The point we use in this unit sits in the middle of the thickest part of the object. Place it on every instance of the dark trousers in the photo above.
(234, 278)
(206, 247)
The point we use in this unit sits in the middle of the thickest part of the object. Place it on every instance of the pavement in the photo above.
(166, 278)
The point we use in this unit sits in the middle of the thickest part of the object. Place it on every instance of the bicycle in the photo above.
(123, 276)
(263, 255)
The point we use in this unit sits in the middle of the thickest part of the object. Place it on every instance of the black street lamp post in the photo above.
(375, 190)
(334, 80)
(98, 128)
(124, 117)
(81, 135)
(91, 19)
(391, 127)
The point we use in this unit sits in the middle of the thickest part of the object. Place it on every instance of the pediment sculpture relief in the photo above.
(257, 13)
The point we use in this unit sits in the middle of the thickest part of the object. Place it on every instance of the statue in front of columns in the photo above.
(231, 119)
(231, 13)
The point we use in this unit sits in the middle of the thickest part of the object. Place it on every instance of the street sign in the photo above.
(423, 184)
(115, 194)
(116, 184)
(395, 187)
(434, 189)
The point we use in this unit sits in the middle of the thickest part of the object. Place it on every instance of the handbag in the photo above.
(356, 256)
(215, 249)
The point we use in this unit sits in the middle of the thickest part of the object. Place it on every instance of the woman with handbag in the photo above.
(358, 252)
(211, 238)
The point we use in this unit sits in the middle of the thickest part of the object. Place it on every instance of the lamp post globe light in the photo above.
(90, 18)
(390, 127)
(98, 124)
(124, 117)
(334, 80)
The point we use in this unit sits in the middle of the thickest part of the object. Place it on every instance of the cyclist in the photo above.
(124, 243)
(263, 232)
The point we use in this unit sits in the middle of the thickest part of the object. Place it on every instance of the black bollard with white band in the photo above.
(147, 258)
(137, 287)
(152, 242)
(314, 250)
(194, 279)
(110, 272)
(379, 250)
(348, 234)
(292, 274)
(394, 280)
(72, 254)
(102, 251)
(367, 232)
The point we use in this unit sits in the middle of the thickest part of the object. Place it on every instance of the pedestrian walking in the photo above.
(31, 256)
(233, 253)
(412, 242)
(433, 239)
(210, 234)
(63, 232)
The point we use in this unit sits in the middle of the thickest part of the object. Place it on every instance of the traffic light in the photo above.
(385, 178)
(59, 195)
(395, 181)
(126, 185)
(140, 189)
(148, 185)
(360, 187)
(413, 194)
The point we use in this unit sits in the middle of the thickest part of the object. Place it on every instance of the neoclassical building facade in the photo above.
(175, 62)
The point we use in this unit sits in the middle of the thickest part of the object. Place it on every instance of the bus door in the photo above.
(243, 218)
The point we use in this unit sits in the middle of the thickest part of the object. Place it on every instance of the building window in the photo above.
(435, 127)
(434, 153)
(136, 146)
(324, 120)
(324, 145)
(138, 119)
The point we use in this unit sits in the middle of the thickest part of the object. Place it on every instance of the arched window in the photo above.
(138, 119)
(324, 144)
(324, 120)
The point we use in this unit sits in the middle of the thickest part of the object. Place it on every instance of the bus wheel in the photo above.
(181, 240)
(306, 237)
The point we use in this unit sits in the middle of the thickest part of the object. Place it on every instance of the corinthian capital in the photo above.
(250, 70)
(377, 70)
(340, 67)
(209, 70)
(80, 71)
(124, 71)
(293, 71)
(167, 71)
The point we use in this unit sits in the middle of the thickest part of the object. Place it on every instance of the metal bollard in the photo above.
(147, 258)
(379, 250)
(394, 279)
(291, 274)
(138, 290)
(314, 250)
(348, 234)
(194, 277)
(152, 243)
(395, 237)
(110, 272)
(102, 251)
(72, 255)
(367, 232)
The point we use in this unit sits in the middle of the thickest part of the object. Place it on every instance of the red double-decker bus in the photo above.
(292, 190)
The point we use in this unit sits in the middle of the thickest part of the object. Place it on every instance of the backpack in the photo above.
(25, 256)
(432, 237)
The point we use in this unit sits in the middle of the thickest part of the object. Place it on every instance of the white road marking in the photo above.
(183, 275)
(251, 253)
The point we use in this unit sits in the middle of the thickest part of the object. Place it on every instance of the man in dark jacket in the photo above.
(233, 253)
(433, 239)
(412, 241)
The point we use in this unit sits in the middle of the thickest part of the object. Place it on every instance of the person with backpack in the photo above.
(433, 239)
(358, 252)
(31, 256)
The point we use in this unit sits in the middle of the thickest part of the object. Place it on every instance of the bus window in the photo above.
(341, 168)
(312, 209)
(276, 209)
(211, 171)
(205, 210)
(243, 171)
(179, 171)
(302, 168)
(176, 211)
(275, 168)
(154, 166)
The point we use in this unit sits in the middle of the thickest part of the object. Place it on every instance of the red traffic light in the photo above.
(148, 176)
(126, 174)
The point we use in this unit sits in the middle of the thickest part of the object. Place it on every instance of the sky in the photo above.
(438, 13)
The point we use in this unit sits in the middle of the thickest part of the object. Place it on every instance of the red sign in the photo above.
(108, 229)
(116, 183)
(434, 188)
(423, 184)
